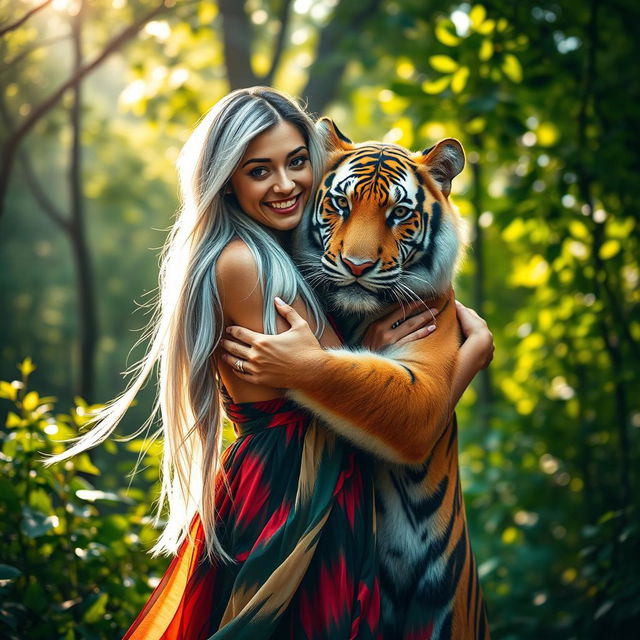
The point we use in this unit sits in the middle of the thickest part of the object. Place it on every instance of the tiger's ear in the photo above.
(333, 138)
(444, 162)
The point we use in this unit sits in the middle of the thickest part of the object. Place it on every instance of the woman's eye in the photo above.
(342, 202)
(258, 172)
(299, 161)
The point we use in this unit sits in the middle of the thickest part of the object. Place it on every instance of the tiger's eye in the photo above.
(401, 212)
(342, 202)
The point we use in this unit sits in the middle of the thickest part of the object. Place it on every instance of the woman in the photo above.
(284, 519)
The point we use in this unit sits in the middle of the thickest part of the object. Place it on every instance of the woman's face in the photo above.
(274, 179)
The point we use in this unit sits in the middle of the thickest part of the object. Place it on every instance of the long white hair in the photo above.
(187, 323)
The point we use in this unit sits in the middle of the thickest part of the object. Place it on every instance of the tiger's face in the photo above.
(382, 229)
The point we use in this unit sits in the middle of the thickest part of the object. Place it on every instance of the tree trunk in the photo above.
(86, 300)
(484, 387)
(331, 60)
(236, 39)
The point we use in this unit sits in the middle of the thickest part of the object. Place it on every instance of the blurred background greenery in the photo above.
(97, 98)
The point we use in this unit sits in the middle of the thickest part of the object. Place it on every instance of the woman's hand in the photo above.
(475, 353)
(474, 328)
(275, 361)
(400, 327)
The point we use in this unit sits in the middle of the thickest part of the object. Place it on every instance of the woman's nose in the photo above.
(284, 182)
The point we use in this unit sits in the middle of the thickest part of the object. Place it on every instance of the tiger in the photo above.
(382, 230)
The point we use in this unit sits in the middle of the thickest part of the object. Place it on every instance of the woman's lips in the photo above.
(284, 206)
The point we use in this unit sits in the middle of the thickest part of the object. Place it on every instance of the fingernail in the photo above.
(280, 301)
(431, 327)
(228, 329)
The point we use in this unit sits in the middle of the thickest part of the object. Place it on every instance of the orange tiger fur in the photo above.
(383, 230)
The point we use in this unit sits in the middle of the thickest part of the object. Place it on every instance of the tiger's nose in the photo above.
(356, 265)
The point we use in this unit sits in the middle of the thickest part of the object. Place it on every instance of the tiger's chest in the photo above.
(419, 516)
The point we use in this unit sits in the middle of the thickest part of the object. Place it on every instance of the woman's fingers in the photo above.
(236, 349)
(469, 320)
(422, 332)
(243, 335)
(241, 368)
(407, 313)
(401, 325)
(410, 325)
(289, 313)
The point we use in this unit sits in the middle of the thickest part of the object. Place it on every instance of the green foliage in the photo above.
(74, 560)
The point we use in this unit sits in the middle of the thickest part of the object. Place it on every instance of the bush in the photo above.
(74, 560)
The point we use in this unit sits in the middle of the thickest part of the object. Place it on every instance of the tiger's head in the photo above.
(382, 229)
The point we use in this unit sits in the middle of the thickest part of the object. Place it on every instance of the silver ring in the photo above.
(240, 366)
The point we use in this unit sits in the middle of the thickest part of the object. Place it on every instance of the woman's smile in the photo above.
(284, 206)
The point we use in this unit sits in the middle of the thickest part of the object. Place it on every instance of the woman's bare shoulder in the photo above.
(239, 285)
(236, 260)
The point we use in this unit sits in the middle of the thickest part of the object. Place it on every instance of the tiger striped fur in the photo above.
(382, 231)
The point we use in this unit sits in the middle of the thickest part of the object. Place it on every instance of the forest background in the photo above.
(97, 98)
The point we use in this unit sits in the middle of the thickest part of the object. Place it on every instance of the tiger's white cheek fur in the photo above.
(436, 280)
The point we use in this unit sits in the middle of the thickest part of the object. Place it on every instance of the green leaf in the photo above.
(31, 401)
(477, 15)
(35, 598)
(609, 249)
(486, 27)
(96, 611)
(8, 573)
(444, 35)
(13, 420)
(35, 524)
(486, 50)
(436, 86)
(10, 496)
(26, 367)
(459, 79)
(579, 230)
(83, 463)
(476, 125)
(444, 64)
(512, 68)
(8, 391)
(39, 500)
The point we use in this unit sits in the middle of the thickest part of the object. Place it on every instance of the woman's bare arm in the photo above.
(242, 304)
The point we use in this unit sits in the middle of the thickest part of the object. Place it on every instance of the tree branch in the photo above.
(39, 193)
(279, 46)
(18, 23)
(328, 68)
(33, 183)
(42, 43)
(11, 145)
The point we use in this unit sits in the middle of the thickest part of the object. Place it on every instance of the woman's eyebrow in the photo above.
(296, 150)
(266, 160)
(256, 160)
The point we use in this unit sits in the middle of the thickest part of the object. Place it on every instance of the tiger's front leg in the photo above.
(398, 403)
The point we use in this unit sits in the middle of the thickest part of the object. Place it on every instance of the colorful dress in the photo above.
(297, 514)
